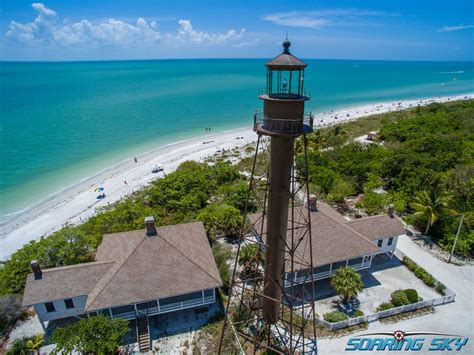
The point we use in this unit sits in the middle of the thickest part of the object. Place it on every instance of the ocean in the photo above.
(64, 121)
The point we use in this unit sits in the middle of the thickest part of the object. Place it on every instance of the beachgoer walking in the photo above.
(136, 160)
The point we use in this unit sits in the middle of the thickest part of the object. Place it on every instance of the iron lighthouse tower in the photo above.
(283, 112)
(266, 308)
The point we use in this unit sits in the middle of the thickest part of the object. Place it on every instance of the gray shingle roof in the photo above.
(333, 237)
(64, 282)
(378, 227)
(138, 268)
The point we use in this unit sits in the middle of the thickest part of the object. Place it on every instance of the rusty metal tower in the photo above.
(270, 305)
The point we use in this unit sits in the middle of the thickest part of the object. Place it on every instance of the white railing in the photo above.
(448, 298)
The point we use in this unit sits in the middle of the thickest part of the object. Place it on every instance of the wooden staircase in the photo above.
(143, 334)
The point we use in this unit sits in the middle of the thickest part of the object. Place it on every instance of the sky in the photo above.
(155, 29)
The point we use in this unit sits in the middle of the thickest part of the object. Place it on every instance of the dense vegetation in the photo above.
(424, 163)
(98, 335)
(214, 194)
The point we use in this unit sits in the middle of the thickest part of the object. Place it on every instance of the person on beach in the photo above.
(136, 160)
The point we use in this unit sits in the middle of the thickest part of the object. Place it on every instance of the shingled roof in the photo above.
(132, 267)
(333, 238)
(378, 227)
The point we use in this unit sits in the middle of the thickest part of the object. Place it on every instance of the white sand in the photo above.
(78, 203)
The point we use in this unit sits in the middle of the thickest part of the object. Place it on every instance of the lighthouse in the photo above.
(266, 306)
(283, 120)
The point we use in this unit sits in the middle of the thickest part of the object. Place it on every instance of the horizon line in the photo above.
(226, 58)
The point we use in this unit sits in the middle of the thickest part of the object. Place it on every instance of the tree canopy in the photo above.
(422, 149)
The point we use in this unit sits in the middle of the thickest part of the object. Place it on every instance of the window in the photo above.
(303, 273)
(320, 269)
(390, 241)
(123, 309)
(380, 242)
(209, 293)
(338, 265)
(149, 304)
(181, 298)
(355, 261)
(50, 307)
(69, 303)
(105, 312)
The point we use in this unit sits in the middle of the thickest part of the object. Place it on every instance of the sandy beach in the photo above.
(77, 203)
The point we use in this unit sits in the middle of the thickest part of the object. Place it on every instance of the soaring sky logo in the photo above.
(404, 341)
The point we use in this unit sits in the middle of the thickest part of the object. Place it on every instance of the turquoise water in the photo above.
(60, 122)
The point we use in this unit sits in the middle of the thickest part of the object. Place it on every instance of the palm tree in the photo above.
(35, 343)
(433, 205)
(347, 282)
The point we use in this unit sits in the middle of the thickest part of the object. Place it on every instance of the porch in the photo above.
(327, 270)
(160, 306)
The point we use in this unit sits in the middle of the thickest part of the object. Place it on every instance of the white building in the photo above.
(136, 274)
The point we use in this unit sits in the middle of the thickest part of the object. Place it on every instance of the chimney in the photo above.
(390, 210)
(150, 226)
(313, 203)
(36, 269)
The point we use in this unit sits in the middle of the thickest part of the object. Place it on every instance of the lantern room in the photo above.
(285, 75)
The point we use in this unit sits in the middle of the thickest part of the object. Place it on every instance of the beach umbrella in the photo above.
(99, 189)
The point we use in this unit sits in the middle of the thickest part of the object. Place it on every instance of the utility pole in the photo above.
(456, 239)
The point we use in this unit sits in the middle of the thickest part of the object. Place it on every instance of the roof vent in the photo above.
(36, 269)
(313, 203)
(150, 226)
(391, 210)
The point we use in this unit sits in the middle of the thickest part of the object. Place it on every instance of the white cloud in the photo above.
(296, 19)
(188, 35)
(109, 32)
(455, 28)
(48, 29)
(43, 9)
(320, 18)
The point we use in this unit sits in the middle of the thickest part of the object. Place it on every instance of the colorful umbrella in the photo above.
(99, 189)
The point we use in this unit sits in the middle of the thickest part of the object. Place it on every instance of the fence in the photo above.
(447, 298)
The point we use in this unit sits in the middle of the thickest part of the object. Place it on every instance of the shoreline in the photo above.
(78, 202)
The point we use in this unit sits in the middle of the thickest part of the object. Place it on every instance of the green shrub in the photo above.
(421, 273)
(18, 347)
(358, 313)
(399, 298)
(440, 287)
(429, 280)
(97, 334)
(409, 263)
(384, 306)
(412, 295)
(335, 316)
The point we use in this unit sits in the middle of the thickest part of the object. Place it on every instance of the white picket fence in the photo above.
(447, 298)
